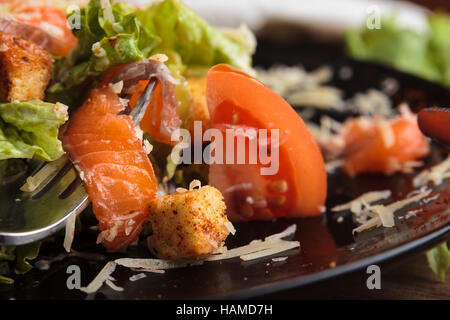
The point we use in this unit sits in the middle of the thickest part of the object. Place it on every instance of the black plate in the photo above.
(328, 248)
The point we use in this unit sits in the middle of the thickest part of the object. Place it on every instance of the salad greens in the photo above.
(426, 55)
(167, 27)
(439, 260)
(198, 44)
(14, 259)
(30, 130)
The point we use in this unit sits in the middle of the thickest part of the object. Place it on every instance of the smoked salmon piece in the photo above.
(40, 23)
(383, 146)
(113, 165)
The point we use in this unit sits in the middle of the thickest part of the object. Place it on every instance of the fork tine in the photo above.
(61, 173)
(144, 100)
(73, 186)
(136, 114)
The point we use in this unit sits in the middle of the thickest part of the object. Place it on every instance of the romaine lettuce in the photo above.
(181, 30)
(30, 130)
(15, 259)
(167, 27)
(426, 55)
(439, 260)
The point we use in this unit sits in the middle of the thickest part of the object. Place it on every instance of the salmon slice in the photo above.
(384, 146)
(113, 165)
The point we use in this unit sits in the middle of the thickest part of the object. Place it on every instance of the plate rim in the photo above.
(420, 244)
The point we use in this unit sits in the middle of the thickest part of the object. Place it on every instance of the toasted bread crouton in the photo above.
(24, 69)
(188, 225)
(199, 108)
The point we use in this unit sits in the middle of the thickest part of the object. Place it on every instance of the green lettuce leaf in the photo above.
(25, 253)
(168, 27)
(440, 44)
(30, 130)
(15, 260)
(199, 45)
(102, 44)
(439, 260)
(426, 55)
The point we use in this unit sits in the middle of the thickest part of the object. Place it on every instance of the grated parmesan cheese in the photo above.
(386, 132)
(279, 259)
(254, 250)
(271, 245)
(436, 174)
(33, 182)
(148, 147)
(194, 184)
(113, 286)
(152, 264)
(117, 87)
(137, 277)
(383, 215)
(355, 206)
(282, 246)
(108, 14)
(160, 57)
(70, 232)
(230, 227)
(98, 281)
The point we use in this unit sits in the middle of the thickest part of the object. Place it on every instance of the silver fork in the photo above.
(28, 217)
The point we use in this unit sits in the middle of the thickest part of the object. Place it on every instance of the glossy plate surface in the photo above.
(328, 248)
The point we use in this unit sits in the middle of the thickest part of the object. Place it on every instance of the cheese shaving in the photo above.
(254, 250)
(386, 132)
(383, 215)
(333, 165)
(195, 184)
(137, 277)
(152, 263)
(148, 270)
(113, 286)
(98, 281)
(436, 174)
(283, 234)
(148, 147)
(49, 169)
(279, 259)
(70, 232)
(230, 227)
(282, 246)
(108, 14)
(159, 57)
(271, 245)
(356, 205)
(117, 87)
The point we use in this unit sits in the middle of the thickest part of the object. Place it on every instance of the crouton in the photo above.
(199, 108)
(25, 69)
(188, 225)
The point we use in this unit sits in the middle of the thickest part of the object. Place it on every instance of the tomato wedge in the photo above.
(298, 189)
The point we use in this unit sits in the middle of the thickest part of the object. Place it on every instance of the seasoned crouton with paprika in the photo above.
(25, 69)
(188, 224)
